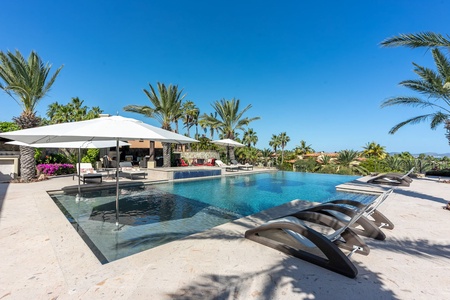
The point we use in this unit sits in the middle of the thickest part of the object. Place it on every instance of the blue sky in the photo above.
(313, 70)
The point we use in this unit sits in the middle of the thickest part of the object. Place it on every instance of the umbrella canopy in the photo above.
(228, 142)
(73, 145)
(105, 128)
(99, 129)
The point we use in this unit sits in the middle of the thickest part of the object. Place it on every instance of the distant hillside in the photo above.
(426, 153)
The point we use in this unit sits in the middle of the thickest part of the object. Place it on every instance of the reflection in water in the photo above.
(152, 207)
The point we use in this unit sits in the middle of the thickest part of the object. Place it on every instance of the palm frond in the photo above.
(414, 120)
(415, 40)
(438, 119)
(405, 100)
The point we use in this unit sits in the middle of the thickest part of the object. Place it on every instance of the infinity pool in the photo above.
(152, 215)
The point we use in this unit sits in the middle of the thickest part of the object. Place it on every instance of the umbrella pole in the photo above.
(79, 171)
(117, 183)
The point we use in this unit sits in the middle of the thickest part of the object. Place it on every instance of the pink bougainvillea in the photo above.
(55, 169)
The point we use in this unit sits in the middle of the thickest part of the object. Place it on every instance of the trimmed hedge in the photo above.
(444, 173)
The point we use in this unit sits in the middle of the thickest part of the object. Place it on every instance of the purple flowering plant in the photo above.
(55, 169)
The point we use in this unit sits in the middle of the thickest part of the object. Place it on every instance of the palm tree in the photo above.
(284, 139)
(250, 138)
(394, 163)
(265, 155)
(346, 158)
(229, 119)
(190, 115)
(166, 107)
(72, 112)
(303, 148)
(275, 142)
(435, 85)
(206, 125)
(374, 150)
(29, 81)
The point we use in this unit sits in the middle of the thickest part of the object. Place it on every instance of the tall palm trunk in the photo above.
(27, 164)
(231, 153)
(166, 155)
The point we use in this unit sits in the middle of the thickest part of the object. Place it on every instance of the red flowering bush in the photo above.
(55, 169)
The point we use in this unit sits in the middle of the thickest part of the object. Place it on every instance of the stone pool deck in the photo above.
(42, 257)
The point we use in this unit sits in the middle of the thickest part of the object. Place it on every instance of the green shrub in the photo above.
(91, 156)
(327, 169)
(375, 165)
(443, 173)
(305, 165)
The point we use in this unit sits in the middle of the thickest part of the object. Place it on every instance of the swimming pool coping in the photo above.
(48, 259)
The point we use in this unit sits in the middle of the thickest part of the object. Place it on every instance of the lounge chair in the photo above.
(393, 179)
(241, 166)
(181, 163)
(87, 172)
(128, 170)
(222, 165)
(293, 236)
(211, 162)
(369, 224)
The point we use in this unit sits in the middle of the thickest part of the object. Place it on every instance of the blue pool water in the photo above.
(152, 215)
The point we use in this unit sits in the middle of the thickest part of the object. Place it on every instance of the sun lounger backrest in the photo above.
(378, 201)
(84, 168)
(220, 163)
(125, 164)
(300, 238)
(407, 174)
(335, 235)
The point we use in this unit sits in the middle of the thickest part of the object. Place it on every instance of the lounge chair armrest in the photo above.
(351, 239)
(335, 259)
(369, 228)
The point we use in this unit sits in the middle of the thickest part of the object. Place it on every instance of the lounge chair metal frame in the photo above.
(371, 221)
(334, 259)
(345, 235)
(393, 179)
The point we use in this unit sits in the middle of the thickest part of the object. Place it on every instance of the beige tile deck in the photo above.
(42, 257)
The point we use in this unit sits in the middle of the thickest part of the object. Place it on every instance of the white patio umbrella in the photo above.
(228, 143)
(73, 145)
(105, 128)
